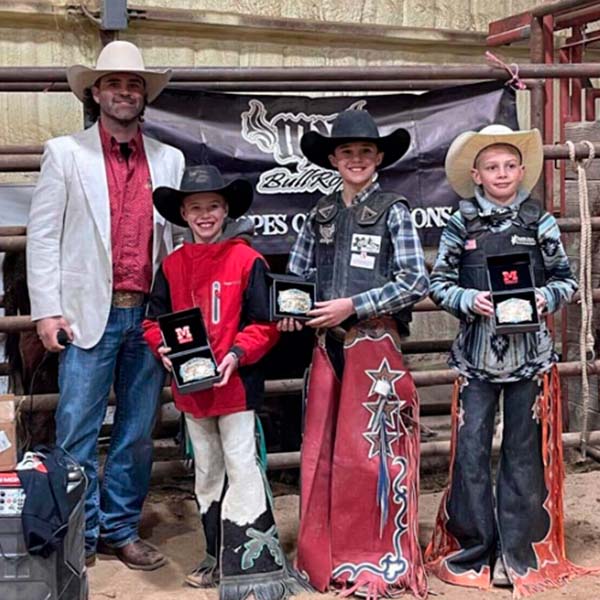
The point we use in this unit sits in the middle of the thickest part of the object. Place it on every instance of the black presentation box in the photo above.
(184, 332)
(283, 283)
(511, 278)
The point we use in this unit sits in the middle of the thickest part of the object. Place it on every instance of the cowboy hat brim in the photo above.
(466, 147)
(317, 147)
(81, 77)
(238, 194)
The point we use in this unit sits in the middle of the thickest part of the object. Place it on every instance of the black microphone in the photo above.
(62, 338)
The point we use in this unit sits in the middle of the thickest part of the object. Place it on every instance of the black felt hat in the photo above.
(354, 126)
(237, 192)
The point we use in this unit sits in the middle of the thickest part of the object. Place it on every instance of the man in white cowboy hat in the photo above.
(93, 244)
(515, 538)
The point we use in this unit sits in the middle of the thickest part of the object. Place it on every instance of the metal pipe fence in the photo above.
(290, 460)
(277, 387)
(22, 159)
(282, 76)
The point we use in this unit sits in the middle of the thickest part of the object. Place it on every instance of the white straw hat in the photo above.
(118, 56)
(464, 150)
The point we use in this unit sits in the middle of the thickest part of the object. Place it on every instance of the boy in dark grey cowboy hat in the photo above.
(360, 451)
(226, 279)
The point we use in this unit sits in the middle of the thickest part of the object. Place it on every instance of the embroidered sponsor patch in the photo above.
(519, 240)
(362, 261)
(326, 233)
(366, 243)
(470, 244)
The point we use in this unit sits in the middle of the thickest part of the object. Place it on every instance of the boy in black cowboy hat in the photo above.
(225, 278)
(360, 453)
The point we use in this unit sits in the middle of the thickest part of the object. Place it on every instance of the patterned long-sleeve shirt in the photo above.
(478, 351)
(409, 283)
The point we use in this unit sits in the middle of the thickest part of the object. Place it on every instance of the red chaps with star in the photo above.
(360, 469)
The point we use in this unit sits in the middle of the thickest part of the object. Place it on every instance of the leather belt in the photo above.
(339, 333)
(128, 299)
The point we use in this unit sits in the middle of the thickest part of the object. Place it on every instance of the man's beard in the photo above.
(126, 121)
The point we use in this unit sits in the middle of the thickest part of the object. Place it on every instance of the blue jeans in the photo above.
(85, 377)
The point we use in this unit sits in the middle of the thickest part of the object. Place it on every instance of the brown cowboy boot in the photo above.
(138, 555)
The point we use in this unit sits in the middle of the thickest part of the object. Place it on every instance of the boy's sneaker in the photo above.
(205, 575)
(90, 558)
(500, 576)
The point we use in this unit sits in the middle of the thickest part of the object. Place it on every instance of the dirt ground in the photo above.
(171, 523)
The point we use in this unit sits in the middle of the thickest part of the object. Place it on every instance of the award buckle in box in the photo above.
(290, 297)
(194, 364)
(513, 294)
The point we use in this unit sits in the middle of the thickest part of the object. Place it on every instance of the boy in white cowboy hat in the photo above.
(514, 537)
(93, 244)
(360, 451)
(226, 279)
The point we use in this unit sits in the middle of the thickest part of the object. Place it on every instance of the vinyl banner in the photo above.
(258, 136)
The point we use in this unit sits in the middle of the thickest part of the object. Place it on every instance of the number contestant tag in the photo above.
(362, 261)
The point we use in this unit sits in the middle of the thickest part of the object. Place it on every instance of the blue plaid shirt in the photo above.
(410, 282)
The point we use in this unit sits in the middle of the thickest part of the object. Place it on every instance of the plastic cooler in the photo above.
(62, 575)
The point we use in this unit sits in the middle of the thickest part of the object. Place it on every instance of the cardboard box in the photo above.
(279, 288)
(8, 433)
(511, 280)
(184, 332)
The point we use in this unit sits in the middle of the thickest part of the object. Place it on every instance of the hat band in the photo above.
(497, 144)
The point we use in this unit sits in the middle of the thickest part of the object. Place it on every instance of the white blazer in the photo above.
(69, 257)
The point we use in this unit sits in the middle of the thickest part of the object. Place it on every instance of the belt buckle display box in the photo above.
(194, 364)
(290, 296)
(510, 278)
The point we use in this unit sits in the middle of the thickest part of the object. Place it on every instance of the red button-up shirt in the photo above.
(131, 213)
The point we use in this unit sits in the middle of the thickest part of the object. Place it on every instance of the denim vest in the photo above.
(481, 242)
(354, 251)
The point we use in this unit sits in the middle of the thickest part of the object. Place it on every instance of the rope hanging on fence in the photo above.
(512, 69)
(586, 337)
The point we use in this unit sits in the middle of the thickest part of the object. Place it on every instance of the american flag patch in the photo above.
(470, 244)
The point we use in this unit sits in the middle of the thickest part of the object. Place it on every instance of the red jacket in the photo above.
(227, 281)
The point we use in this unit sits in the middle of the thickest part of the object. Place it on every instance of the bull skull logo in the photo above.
(280, 136)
